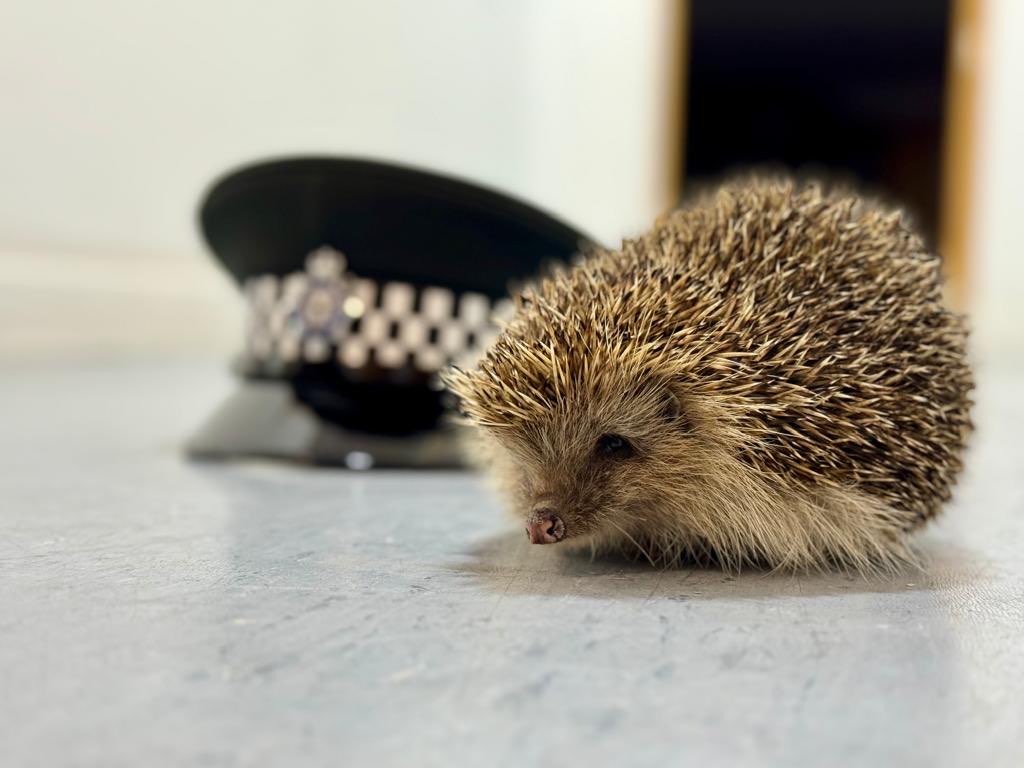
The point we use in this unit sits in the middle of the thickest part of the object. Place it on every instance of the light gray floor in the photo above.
(155, 612)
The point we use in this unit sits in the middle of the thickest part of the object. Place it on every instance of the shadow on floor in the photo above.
(509, 565)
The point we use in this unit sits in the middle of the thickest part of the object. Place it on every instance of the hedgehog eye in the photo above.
(614, 446)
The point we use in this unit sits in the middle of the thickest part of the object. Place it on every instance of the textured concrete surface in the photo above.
(156, 612)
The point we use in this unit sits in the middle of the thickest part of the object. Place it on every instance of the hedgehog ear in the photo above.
(671, 407)
(673, 410)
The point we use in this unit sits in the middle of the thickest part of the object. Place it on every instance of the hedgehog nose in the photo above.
(545, 527)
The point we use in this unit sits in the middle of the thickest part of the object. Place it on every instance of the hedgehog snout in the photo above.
(543, 526)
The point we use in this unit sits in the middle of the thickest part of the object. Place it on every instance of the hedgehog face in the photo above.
(579, 469)
(576, 479)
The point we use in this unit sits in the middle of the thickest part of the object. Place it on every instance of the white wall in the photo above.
(998, 279)
(116, 113)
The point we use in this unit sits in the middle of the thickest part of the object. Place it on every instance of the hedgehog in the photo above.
(767, 378)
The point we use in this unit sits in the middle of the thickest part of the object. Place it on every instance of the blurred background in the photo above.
(118, 115)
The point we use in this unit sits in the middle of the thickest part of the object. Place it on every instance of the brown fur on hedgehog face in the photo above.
(586, 465)
(781, 363)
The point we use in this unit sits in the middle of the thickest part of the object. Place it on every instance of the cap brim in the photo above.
(265, 419)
